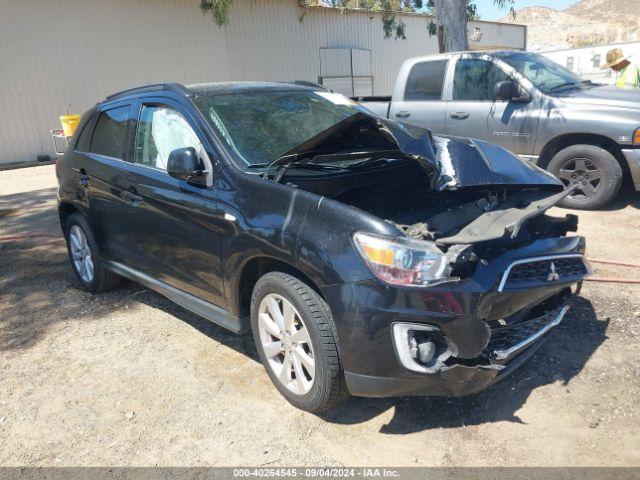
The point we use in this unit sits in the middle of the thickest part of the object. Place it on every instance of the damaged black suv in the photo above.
(366, 256)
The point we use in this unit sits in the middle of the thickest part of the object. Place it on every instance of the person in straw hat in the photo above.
(628, 73)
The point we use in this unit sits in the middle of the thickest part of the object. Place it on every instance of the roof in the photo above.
(216, 88)
(224, 88)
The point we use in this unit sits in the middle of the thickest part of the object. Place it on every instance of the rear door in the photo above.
(103, 145)
(472, 111)
(174, 229)
(421, 102)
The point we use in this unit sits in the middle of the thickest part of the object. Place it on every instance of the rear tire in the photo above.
(297, 342)
(84, 256)
(594, 170)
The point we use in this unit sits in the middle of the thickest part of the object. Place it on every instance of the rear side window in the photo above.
(425, 81)
(84, 139)
(475, 79)
(109, 135)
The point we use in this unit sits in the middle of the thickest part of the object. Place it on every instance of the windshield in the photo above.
(260, 126)
(545, 74)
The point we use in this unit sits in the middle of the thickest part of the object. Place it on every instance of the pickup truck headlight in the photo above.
(402, 261)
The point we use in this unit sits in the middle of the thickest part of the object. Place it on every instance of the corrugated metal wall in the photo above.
(53, 52)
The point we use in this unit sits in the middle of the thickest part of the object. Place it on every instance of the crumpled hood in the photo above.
(603, 95)
(465, 162)
(456, 162)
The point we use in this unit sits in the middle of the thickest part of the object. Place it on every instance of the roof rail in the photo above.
(154, 87)
(306, 83)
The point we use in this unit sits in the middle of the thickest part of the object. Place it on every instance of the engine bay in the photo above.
(402, 193)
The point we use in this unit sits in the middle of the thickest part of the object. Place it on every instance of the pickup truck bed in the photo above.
(377, 104)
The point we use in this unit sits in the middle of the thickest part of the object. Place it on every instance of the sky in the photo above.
(488, 11)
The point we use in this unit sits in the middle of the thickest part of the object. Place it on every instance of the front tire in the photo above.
(594, 171)
(84, 257)
(297, 342)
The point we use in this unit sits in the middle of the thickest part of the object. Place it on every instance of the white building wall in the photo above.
(53, 52)
(583, 60)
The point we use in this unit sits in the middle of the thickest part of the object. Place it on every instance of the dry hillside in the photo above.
(586, 22)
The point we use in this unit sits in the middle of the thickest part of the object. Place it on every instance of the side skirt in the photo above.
(207, 310)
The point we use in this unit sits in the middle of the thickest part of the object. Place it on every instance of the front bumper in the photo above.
(459, 379)
(633, 161)
(469, 314)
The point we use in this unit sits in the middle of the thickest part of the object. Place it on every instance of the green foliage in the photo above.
(218, 9)
(472, 12)
(506, 3)
(391, 26)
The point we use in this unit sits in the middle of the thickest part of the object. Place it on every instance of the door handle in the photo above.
(131, 198)
(459, 115)
(403, 114)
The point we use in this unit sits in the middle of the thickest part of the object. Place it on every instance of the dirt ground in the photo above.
(128, 378)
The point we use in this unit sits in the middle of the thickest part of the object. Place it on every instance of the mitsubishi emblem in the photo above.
(553, 275)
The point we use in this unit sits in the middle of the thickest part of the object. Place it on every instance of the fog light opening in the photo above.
(420, 348)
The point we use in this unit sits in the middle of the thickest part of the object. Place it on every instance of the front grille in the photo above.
(506, 337)
(544, 270)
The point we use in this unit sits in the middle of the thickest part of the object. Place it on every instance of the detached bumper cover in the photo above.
(633, 160)
(460, 379)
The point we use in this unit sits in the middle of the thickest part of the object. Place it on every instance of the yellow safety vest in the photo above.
(629, 77)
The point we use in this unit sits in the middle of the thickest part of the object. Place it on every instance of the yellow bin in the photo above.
(69, 124)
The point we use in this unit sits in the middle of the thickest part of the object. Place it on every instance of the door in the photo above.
(174, 238)
(473, 112)
(102, 146)
(421, 103)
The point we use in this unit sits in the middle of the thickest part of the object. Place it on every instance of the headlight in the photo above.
(402, 261)
(636, 137)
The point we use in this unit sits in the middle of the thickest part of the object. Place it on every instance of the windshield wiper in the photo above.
(282, 169)
(368, 162)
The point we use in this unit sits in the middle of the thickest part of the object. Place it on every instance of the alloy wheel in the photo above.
(583, 173)
(81, 254)
(286, 343)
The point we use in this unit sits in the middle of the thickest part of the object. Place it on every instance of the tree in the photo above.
(451, 21)
(450, 25)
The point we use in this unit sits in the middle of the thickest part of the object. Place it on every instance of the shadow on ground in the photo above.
(628, 197)
(32, 212)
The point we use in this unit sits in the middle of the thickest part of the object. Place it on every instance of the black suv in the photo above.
(366, 256)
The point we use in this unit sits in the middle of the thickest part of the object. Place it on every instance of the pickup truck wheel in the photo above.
(83, 254)
(595, 171)
(297, 342)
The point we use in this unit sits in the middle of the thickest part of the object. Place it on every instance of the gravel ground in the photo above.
(128, 378)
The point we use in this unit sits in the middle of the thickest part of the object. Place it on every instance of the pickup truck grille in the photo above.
(521, 274)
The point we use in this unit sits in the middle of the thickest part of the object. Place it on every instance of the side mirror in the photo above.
(184, 164)
(506, 90)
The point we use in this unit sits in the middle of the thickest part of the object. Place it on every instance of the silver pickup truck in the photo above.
(587, 134)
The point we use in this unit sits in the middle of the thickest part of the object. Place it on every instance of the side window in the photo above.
(475, 79)
(425, 81)
(161, 130)
(84, 138)
(109, 134)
